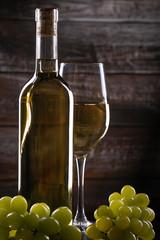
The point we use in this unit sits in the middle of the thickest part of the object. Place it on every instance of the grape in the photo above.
(122, 222)
(115, 205)
(135, 226)
(40, 236)
(128, 200)
(141, 200)
(95, 214)
(145, 229)
(31, 220)
(19, 204)
(14, 220)
(146, 214)
(48, 225)
(63, 215)
(114, 196)
(129, 236)
(124, 211)
(103, 224)
(152, 214)
(150, 235)
(136, 212)
(150, 224)
(93, 233)
(47, 207)
(128, 217)
(103, 210)
(114, 233)
(5, 203)
(55, 237)
(3, 214)
(25, 213)
(128, 191)
(71, 233)
(24, 234)
(39, 209)
(4, 233)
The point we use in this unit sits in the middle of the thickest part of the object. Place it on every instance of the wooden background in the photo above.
(125, 35)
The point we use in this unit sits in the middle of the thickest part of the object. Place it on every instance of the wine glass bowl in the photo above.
(89, 126)
(91, 119)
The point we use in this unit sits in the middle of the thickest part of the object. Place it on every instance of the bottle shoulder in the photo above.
(48, 84)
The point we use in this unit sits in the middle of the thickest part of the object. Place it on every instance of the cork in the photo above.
(46, 19)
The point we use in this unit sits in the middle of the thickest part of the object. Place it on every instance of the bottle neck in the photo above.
(46, 52)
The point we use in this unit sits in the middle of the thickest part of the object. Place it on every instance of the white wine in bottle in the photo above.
(46, 123)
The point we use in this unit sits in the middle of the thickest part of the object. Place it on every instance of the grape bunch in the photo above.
(17, 223)
(127, 217)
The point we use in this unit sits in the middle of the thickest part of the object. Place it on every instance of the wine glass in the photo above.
(91, 119)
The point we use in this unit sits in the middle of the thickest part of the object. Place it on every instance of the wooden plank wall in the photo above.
(125, 35)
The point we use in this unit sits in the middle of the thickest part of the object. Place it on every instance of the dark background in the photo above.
(125, 35)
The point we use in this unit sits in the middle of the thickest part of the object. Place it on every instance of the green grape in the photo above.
(55, 237)
(47, 207)
(63, 215)
(152, 214)
(3, 214)
(103, 224)
(25, 213)
(135, 226)
(103, 210)
(4, 233)
(114, 196)
(48, 225)
(93, 233)
(136, 212)
(71, 232)
(128, 236)
(18, 204)
(150, 235)
(128, 191)
(115, 205)
(145, 229)
(128, 200)
(24, 234)
(114, 233)
(95, 214)
(122, 222)
(14, 220)
(146, 214)
(31, 220)
(141, 200)
(99, 239)
(40, 236)
(150, 224)
(40, 210)
(124, 211)
(5, 203)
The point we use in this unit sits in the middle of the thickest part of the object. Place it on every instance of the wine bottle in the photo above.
(45, 165)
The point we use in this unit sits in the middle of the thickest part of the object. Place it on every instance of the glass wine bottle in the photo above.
(46, 123)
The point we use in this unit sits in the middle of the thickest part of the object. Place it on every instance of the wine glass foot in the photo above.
(82, 225)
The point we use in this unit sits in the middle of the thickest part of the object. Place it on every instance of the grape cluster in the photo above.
(37, 223)
(127, 217)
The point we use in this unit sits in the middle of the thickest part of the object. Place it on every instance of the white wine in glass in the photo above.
(91, 119)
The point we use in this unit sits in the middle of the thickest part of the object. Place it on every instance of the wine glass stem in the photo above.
(80, 214)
